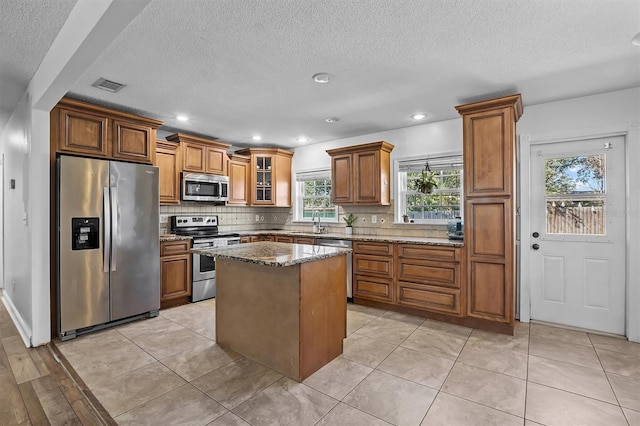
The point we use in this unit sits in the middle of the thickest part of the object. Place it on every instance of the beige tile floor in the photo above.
(395, 369)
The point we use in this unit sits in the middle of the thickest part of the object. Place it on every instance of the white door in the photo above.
(577, 269)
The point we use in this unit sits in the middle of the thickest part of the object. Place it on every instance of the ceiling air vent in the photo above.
(108, 85)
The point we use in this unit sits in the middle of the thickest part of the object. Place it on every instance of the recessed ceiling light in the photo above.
(322, 77)
(256, 138)
(182, 117)
(419, 116)
(636, 40)
(332, 119)
(302, 139)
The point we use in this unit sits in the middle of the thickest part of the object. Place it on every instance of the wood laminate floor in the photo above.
(35, 389)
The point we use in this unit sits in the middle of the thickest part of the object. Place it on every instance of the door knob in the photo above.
(535, 235)
(535, 246)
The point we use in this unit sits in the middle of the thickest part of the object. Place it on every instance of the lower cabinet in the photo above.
(429, 278)
(175, 273)
(373, 277)
(283, 239)
(422, 277)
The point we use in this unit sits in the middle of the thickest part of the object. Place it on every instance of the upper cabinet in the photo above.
(489, 146)
(360, 174)
(270, 176)
(239, 177)
(169, 162)
(93, 131)
(201, 155)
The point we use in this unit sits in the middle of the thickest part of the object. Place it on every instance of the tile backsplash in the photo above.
(244, 219)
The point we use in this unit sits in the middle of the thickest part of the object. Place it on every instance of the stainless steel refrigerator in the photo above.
(108, 243)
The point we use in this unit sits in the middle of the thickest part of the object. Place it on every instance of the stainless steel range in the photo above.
(204, 230)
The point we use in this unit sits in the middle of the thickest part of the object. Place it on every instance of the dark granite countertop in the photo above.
(273, 254)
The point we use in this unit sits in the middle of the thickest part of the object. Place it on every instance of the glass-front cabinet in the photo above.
(263, 175)
(270, 176)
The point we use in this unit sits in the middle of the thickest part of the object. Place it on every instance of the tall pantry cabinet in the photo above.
(489, 152)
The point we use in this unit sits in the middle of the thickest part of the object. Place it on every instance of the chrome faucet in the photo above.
(316, 228)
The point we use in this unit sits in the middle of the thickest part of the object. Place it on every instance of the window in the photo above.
(575, 194)
(444, 202)
(313, 194)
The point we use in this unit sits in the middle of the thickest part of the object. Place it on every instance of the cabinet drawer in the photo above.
(244, 240)
(263, 238)
(428, 297)
(172, 248)
(305, 240)
(373, 288)
(373, 265)
(436, 273)
(372, 248)
(423, 252)
(284, 239)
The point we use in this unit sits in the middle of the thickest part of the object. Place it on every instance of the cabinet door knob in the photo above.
(535, 246)
(535, 235)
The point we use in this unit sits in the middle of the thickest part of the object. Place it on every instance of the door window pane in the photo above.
(575, 189)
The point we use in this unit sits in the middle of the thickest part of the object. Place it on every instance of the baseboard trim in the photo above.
(21, 325)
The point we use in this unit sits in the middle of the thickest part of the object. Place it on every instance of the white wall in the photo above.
(14, 143)
(25, 141)
(430, 138)
(1, 219)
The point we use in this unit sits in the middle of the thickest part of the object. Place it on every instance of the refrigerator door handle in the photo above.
(114, 227)
(106, 226)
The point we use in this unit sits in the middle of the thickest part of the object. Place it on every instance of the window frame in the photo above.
(400, 192)
(300, 178)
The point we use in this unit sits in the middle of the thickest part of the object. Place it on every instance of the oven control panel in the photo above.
(193, 221)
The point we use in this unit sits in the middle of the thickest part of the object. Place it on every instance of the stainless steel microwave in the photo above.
(201, 187)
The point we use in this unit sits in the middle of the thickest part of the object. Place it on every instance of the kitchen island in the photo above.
(282, 305)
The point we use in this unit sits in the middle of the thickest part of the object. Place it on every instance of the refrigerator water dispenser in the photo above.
(85, 233)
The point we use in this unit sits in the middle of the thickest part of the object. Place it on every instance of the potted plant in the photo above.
(349, 221)
(405, 218)
(427, 180)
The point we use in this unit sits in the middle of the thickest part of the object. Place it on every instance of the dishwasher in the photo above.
(342, 244)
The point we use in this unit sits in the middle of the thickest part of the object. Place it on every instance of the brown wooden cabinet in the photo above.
(245, 239)
(93, 131)
(373, 277)
(283, 239)
(168, 160)
(175, 273)
(239, 179)
(200, 155)
(489, 130)
(305, 240)
(429, 278)
(361, 174)
(270, 176)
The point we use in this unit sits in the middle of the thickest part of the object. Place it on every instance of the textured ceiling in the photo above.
(244, 67)
(27, 29)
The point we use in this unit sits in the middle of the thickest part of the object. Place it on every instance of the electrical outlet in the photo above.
(14, 285)
(374, 218)
(257, 217)
(164, 218)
